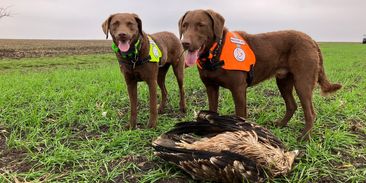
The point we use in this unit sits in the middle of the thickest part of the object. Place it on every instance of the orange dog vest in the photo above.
(235, 53)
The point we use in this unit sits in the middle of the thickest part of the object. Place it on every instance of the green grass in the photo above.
(51, 115)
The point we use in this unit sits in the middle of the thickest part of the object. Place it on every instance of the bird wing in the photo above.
(222, 166)
(233, 123)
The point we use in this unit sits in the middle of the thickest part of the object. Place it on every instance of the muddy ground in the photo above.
(22, 48)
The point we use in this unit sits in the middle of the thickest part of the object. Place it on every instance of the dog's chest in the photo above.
(132, 73)
(218, 76)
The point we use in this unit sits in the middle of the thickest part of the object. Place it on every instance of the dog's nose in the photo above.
(122, 35)
(186, 44)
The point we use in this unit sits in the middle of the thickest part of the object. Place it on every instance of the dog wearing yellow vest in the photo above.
(144, 57)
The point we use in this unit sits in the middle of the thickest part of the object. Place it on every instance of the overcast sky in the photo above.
(324, 20)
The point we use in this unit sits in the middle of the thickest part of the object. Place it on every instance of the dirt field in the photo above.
(52, 127)
(21, 48)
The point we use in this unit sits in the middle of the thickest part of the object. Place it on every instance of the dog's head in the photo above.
(198, 30)
(125, 28)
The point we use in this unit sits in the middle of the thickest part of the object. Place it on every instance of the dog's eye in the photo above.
(200, 24)
(115, 24)
(185, 25)
(129, 23)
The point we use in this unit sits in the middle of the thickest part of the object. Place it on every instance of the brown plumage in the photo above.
(224, 149)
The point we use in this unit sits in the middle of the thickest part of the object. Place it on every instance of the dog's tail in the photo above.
(326, 87)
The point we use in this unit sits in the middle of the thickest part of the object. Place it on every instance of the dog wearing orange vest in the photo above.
(291, 56)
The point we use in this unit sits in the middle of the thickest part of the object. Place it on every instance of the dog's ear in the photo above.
(105, 26)
(218, 22)
(180, 24)
(139, 23)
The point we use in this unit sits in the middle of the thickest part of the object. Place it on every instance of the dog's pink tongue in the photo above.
(124, 46)
(191, 58)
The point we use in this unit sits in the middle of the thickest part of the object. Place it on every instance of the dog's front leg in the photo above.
(213, 96)
(153, 103)
(239, 94)
(132, 92)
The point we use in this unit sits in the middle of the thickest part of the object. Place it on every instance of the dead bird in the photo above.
(224, 149)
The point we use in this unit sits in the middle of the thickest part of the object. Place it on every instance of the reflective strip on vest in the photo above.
(155, 52)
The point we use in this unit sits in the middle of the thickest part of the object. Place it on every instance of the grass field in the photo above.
(52, 127)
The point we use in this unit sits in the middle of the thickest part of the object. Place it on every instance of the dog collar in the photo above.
(210, 60)
(132, 55)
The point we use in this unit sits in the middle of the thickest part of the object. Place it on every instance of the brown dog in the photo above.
(135, 50)
(292, 57)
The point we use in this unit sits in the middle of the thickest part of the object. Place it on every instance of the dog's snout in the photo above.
(122, 35)
(186, 44)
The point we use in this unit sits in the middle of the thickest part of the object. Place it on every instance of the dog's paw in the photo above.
(183, 110)
(161, 110)
(151, 125)
(130, 127)
(281, 123)
(304, 137)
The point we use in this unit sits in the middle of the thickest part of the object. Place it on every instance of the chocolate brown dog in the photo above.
(291, 56)
(144, 57)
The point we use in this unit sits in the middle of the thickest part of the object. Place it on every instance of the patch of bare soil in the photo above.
(11, 160)
(197, 97)
(326, 180)
(142, 167)
(14, 48)
(350, 160)
(358, 127)
(81, 133)
(173, 180)
(270, 93)
(172, 112)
